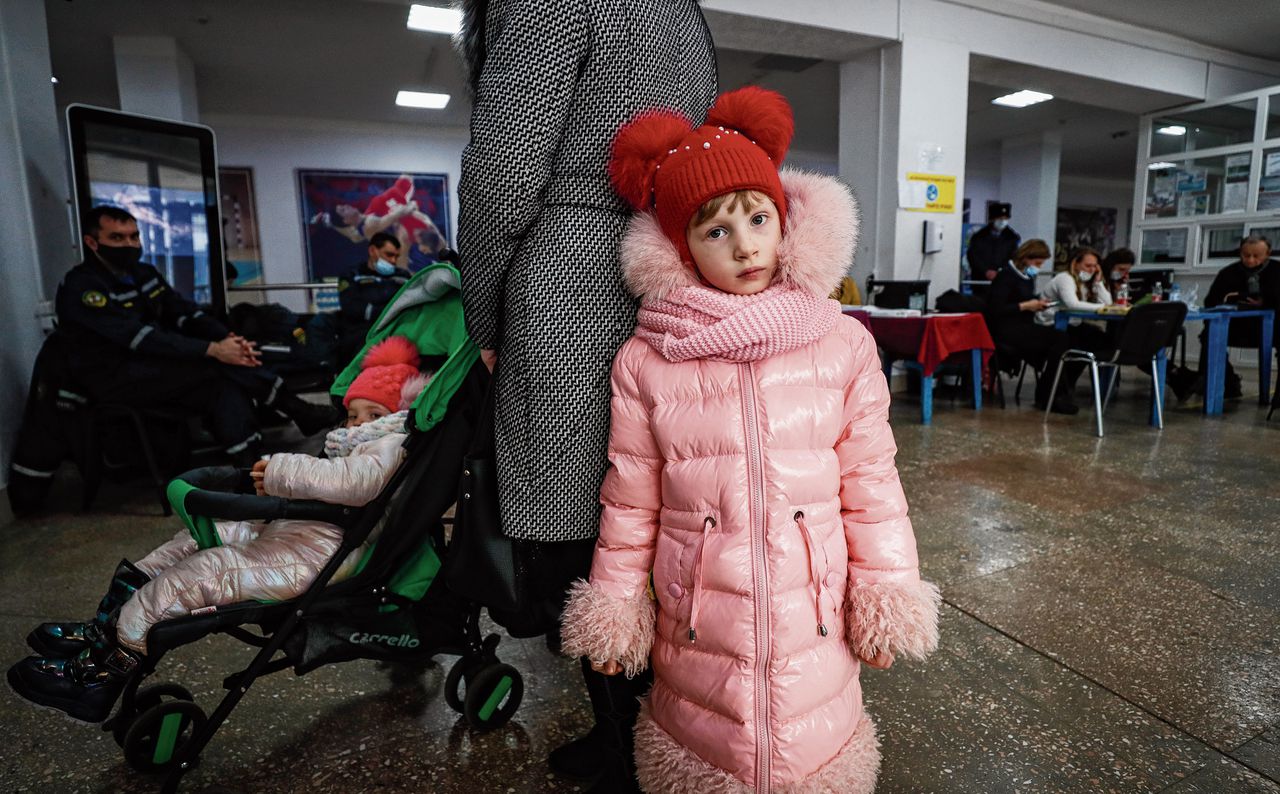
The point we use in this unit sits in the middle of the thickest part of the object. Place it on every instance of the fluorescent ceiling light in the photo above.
(421, 99)
(1173, 129)
(435, 20)
(1161, 166)
(1020, 99)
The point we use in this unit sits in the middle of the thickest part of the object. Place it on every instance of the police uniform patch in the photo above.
(94, 299)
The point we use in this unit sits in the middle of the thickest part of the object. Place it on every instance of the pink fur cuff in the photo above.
(888, 616)
(603, 627)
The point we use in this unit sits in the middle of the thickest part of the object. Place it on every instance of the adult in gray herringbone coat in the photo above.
(538, 233)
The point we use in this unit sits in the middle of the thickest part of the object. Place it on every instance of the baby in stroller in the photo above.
(82, 668)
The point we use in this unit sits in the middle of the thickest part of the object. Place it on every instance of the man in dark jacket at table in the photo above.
(1251, 282)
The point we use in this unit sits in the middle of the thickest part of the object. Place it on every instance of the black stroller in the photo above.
(389, 609)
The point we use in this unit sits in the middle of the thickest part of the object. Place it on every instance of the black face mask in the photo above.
(119, 257)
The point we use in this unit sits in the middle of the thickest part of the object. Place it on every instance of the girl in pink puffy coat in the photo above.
(754, 543)
(83, 667)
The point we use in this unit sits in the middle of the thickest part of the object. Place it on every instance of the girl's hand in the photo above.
(258, 473)
(1033, 305)
(611, 667)
(881, 661)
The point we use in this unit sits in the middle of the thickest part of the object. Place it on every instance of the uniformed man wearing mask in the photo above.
(137, 342)
(992, 246)
(365, 292)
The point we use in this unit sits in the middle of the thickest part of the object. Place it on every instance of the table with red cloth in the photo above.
(925, 342)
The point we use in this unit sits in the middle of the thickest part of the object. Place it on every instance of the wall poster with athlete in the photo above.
(341, 210)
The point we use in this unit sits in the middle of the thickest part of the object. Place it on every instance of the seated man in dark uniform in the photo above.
(137, 342)
(365, 291)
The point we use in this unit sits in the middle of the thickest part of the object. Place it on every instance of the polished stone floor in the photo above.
(1111, 623)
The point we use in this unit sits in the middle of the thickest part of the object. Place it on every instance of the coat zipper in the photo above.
(760, 574)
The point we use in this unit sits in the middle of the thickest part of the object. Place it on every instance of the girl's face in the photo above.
(1036, 262)
(1121, 272)
(361, 410)
(736, 250)
(1086, 264)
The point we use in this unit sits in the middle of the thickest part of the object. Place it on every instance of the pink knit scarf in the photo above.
(704, 323)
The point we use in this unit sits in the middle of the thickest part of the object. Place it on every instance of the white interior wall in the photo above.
(275, 148)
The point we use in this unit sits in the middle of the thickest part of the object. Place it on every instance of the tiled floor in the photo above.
(1111, 623)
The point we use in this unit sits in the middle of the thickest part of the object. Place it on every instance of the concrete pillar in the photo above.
(155, 78)
(904, 109)
(35, 229)
(1029, 169)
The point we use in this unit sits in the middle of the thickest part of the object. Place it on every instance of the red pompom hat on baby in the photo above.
(660, 162)
(383, 373)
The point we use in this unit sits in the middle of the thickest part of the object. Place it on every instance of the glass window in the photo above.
(1221, 242)
(1164, 245)
(1203, 129)
(1205, 186)
(1272, 233)
(1269, 185)
(1273, 116)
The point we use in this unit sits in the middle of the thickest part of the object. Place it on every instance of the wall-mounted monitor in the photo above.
(166, 174)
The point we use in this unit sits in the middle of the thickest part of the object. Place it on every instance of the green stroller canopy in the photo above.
(428, 311)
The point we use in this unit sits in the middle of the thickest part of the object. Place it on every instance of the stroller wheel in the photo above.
(144, 699)
(158, 734)
(493, 696)
(455, 685)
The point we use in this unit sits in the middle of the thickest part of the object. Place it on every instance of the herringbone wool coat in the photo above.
(539, 226)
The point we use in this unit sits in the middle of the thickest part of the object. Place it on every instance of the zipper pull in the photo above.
(822, 629)
(693, 634)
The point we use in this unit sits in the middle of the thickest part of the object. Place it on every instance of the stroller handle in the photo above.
(226, 492)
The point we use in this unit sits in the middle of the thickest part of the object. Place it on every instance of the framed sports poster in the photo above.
(343, 210)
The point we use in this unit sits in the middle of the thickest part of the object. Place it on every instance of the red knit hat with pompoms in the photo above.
(385, 370)
(661, 163)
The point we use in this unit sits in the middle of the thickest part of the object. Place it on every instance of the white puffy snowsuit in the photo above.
(267, 561)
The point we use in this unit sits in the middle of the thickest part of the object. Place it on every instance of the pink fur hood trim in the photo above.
(816, 251)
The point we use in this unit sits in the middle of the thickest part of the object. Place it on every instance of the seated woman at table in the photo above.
(1010, 315)
(1079, 288)
(1116, 268)
(1250, 282)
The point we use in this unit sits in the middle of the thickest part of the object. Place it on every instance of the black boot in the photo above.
(85, 687)
(311, 418)
(607, 752)
(65, 640)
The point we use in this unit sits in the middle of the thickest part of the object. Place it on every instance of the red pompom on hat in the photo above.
(383, 373)
(660, 162)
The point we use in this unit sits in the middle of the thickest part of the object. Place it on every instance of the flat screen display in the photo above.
(164, 173)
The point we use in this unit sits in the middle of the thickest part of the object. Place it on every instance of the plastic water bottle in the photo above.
(1193, 297)
(1157, 292)
(1175, 293)
(1122, 294)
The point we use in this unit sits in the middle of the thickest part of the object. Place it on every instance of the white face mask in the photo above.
(1085, 275)
(1116, 275)
(999, 224)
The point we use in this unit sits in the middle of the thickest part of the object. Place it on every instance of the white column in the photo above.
(35, 230)
(903, 109)
(1029, 169)
(155, 78)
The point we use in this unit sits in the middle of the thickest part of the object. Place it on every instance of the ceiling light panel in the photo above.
(1021, 99)
(1173, 129)
(422, 99)
(434, 20)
